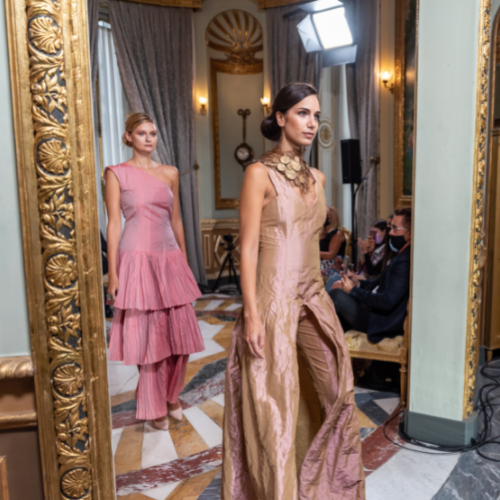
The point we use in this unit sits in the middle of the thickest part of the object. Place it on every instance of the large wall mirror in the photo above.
(236, 87)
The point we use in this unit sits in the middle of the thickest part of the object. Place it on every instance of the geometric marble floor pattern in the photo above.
(184, 463)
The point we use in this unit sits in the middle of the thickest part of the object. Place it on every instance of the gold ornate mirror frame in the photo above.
(477, 243)
(239, 35)
(51, 96)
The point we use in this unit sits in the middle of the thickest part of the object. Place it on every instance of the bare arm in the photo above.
(334, 247)
(177, 226)
(256, 185)
(339, 238)
(114, 231)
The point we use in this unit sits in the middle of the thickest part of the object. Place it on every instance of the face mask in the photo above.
(378, 238)
(397, 243)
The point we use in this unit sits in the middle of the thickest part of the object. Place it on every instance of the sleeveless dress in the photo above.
(154, 318)
(269, 412)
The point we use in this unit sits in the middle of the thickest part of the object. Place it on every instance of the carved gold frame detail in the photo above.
(50, 75)
(477, 248)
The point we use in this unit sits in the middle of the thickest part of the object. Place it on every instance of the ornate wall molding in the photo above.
(49, 59)
(16, 367)
(18, 420)
(477, 249)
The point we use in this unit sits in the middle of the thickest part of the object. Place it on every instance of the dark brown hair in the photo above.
(404, 212)
(133, 121)
(286, 98)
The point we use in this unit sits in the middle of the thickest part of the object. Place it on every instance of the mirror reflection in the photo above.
(180, 99)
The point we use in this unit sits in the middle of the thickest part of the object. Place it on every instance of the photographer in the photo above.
(378, 307)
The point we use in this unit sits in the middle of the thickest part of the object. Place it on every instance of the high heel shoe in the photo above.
(176, 414)
(161, 425)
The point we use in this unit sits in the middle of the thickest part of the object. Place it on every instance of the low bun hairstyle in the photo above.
(133, 121)
(286, 98)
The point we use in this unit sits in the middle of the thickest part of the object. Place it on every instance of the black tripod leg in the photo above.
(221, 271)
(231, 266)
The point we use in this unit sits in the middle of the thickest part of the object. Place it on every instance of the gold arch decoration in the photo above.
(478, 197)
(50, 76)
(236, 33)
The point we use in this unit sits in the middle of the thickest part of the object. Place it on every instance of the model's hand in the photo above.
(112, 289)
(254, 335)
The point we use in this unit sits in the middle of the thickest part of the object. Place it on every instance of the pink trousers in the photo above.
(158, 383)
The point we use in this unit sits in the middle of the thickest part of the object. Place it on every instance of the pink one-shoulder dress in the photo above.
(154, 318)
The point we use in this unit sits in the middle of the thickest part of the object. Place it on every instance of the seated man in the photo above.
(378, 307)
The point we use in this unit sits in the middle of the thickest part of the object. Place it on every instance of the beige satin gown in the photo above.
(290, 425)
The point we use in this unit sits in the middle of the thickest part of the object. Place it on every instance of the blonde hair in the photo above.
(334, 215)
(133, 121)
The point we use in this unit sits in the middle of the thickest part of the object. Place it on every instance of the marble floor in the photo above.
(184, 463)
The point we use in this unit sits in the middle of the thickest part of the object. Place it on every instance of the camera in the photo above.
(228, 242)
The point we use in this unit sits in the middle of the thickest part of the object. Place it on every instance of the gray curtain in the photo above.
(288, 61)
(93, 23)
(154, 48)
(363, 85)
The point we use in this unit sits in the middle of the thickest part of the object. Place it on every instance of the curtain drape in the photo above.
(93, 20)
(114, 106)
(288, 60)
(363, 86)
(154, 49)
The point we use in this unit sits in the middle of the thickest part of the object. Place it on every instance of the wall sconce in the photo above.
(265, 105)
(203, 105)
(386, 76)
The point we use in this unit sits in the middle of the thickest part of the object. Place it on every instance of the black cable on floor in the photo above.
(486, 410)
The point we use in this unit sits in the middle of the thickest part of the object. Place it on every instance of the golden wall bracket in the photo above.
(50, 74)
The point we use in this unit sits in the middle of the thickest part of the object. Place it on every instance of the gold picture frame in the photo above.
(403, 108)
(218, 66)
(51, 99)
(238, 35)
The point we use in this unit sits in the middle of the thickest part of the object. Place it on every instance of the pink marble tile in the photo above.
(177, 470)
(377, 449)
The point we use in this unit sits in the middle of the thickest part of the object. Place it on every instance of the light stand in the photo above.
(228, 242)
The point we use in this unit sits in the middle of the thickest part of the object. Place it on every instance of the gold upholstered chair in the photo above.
(394, 350)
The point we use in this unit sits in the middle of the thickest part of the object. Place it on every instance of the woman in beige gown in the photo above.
(290, 425)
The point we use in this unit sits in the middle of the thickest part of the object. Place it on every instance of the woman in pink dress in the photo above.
(150, 283)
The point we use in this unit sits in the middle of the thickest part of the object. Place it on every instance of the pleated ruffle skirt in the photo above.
(154, 318)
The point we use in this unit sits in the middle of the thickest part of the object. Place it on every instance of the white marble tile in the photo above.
(212, 305)
(162, 492)
(388, 405)
(410, 475)
(209, 431)
(208, 331)
(108, 324)
(360, 390)
(211, 347)
(219, 398)
(233, 307)
(116, 435)
(157, 447)
(122, 378)
(217, 295)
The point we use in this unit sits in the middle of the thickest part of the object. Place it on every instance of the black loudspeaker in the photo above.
(351, 161)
